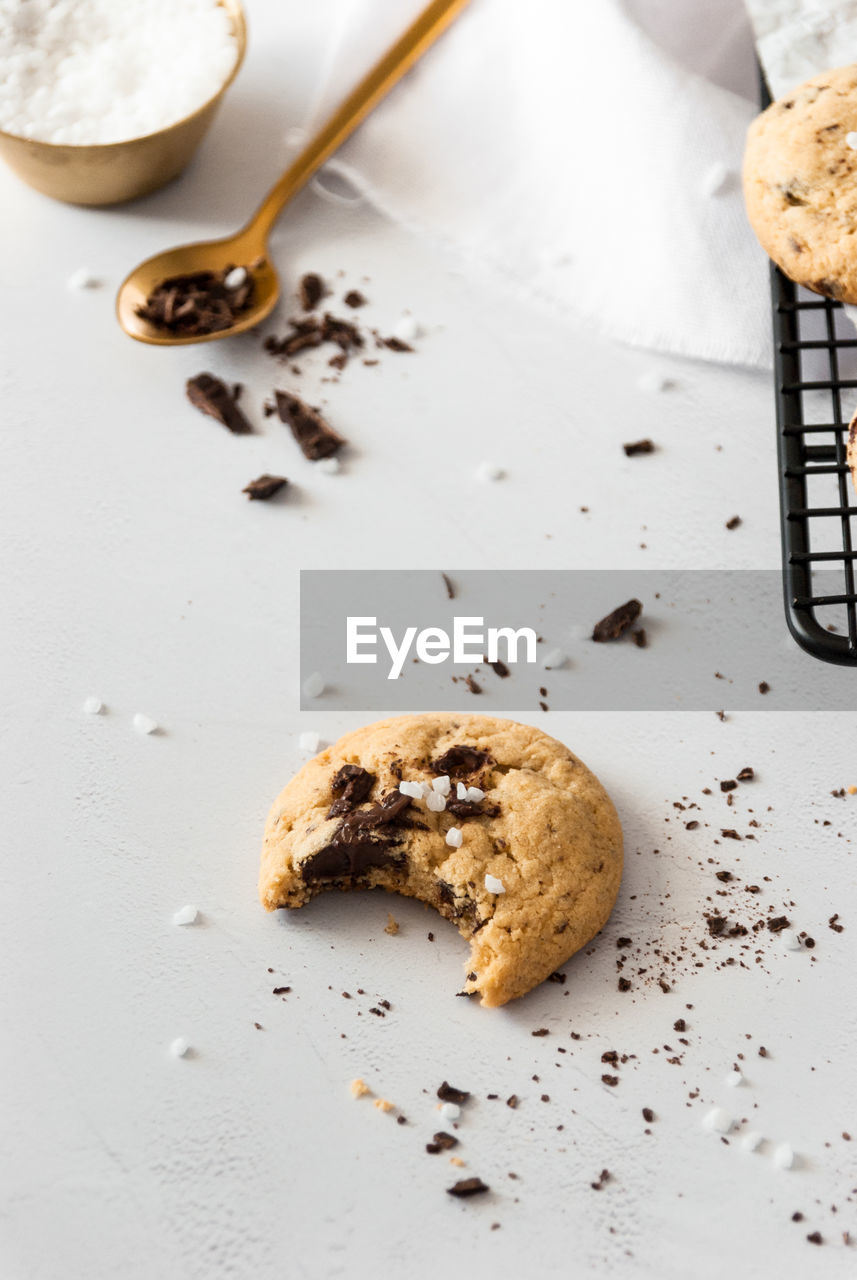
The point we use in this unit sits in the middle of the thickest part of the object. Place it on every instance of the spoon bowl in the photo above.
(239, 250)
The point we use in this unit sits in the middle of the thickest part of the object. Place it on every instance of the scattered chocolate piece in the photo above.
(603, 1178)
(624, 984)
(351, 786)
(833, 923)
(641, 640)
(763, 1053)
(499, 668)
(512, 1101)
(648, 1115)
(557, 977)
(815, 1238)
(729, 833)
(395, 344)
(745, 775)
(610, 1080)
(212, 396)
(716, 925)
(265, 487)
(281, 991)
(692, 825)
(313, 332)
(728, 784)
(797, 1217)
(679, 1025)
(472, 685)
(316, 437)
(198, 303)
(441, 1142)
(354, 298)
(450, 588)
(638, 446)
(448, 1093)
(733, 523)
(764, 687)
(614, 626)
(311, 290)
(778, 923)
(467, 1187)
(621, 943)
(724, 876)
(542, 1031)
(809, 943)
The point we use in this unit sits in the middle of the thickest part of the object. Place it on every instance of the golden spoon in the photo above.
(249, 247)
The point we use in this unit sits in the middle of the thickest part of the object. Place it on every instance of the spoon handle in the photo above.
(398, 59)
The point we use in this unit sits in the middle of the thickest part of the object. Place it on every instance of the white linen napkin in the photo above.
(585, 152)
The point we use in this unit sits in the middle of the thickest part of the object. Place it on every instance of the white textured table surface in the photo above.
(135, 571)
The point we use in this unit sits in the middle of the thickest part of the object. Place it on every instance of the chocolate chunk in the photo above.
(778, 923)
(351, 786)
(624, 984)
(639, 446)
(197, 304)
(354, 298)
(265, 487)
(211, 396)
(648, 1115)
(311, 290)
(723, 876)
(467, 1187)
(441, 1142)
(618, 622)
(679, 1025)
(356, 846)
(716, 925)
(448, 1093)
(728, 784)
(316, 438)
(461, 760)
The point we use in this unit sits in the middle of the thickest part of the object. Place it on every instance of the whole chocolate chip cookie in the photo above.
(495, 824)
(800, 183)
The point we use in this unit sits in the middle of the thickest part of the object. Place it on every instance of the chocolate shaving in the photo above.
(450, 588)
(212, 396)
(311, 290)
(312, 332)
(265, 487)
(198, 303)
(351, 786)
(448, 1093)
(614, 626)
(467, 1187)
(395, 344)
(316, 438)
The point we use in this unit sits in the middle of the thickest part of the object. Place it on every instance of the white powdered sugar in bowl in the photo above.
(85, 72)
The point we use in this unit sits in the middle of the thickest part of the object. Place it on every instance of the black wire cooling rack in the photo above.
(815, 365)
(815, 372)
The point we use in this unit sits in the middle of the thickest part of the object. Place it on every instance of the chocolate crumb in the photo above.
(542, 1031)
(733, 523)
(448, 1093)
(441, 1142)
(499, 668)
(472, 684)
(467, 1187)
(638, 446)
(778, 923)
(612, 1081)
(728, 784)
(648, 1115)
(311, 290)
(624, 984)
(264, 487)
(815, 1237)
(615, 624)
(763, 1053)
(512, 1101)
(450, 588)
(279, 991)
(641, 640)
(809, 943)
(603, 1178)
(797, 1217)
(212, 396)
(679, 1025)
(764, 687)
(746, 774)
(395, 344)
(354, 298)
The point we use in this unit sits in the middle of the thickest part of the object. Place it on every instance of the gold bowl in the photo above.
(111, 172)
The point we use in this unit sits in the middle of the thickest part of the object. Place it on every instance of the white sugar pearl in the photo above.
(144, 724)
(407, 329)
(180, 1048)
(450, 1110)
(474, 795)
(489, 471)
(186, 915)
(752, 1141)
(717, 1120)
(435, 802)
(328, 466)
(652, 380)
(309, 742)
(851, 141)
(412, 789)
(93, 706)
(82, 279)
(733, 1079)
(553, 659)
(235, 278)
(313, 686)
(441, 785)
(493, 885)
(715, 179)
(454, 837)
(789, 940)
(784, 1156)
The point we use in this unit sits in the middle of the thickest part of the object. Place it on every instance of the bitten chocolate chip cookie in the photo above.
(800, 183)
(495, 824)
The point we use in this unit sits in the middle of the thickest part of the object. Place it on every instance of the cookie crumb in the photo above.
(359, 1088)
(382, 1104)
(392, 926)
